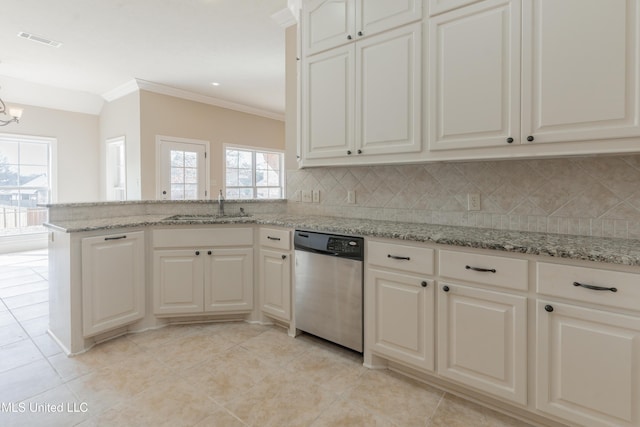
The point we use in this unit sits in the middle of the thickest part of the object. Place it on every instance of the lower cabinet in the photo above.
(210, 280)
(482, 340)
(588, 365)
(401, 317)
(113, 281)
(275, 283)
(206, 279)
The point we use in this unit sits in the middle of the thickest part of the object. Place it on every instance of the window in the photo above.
(253, 174)
(116, 169)
(25, 182)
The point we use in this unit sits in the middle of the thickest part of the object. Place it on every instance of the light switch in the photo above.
(316, 196)
(306, 196)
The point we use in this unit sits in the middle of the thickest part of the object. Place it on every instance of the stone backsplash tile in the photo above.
(592, 196)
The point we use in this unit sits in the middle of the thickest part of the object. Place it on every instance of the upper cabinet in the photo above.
(474, 76)
(331, 23)
(439, 6)
(578, 74)
(580, 70)
(361, 102)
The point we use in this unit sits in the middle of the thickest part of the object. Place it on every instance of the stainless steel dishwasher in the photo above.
(328, 286)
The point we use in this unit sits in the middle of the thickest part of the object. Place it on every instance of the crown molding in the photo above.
(284, 18)
(139, 84)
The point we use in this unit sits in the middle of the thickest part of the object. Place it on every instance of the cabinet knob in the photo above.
(359, 151)
(445, 288)
(349, 37)
(529, 138)
(197, 253)
(360, 33)
(284, 257)
(424, 284)
(209, 252)
(349, 152)
(509, 140)
(548, 308)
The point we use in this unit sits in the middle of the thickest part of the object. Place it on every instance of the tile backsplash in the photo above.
(592, 196)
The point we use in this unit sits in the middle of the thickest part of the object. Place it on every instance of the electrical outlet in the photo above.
(351, 197)
(316, 196)
(306, 196)
(473, 202)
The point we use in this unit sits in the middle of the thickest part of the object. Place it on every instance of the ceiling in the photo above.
(181, 46)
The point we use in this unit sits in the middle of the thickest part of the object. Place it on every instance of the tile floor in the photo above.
(232, 374)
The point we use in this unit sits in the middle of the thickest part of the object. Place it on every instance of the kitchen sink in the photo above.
(214, 217)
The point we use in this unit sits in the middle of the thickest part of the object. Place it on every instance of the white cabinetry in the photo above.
(275, 273)
(331, 23)
(579, 77)
(588, 359)
(482, 334)
(399, 301)
(202, 271)
(113, 281)
(363, 100)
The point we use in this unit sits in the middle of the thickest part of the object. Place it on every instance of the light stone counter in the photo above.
(608, 250)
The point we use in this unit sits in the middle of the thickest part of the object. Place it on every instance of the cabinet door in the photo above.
(401, 317)
(229, 280)
(178, 278)
(275, 283)
(327, 24)
(328, 94)
(588, 365)
(439, 6)
(389, 92)
(474, 76)
(482, 340)
(113, 286)
(374, 16)
(580, 70)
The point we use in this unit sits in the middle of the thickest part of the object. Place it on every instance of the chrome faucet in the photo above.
(220, 204)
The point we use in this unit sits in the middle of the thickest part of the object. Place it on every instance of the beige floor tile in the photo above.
(46, 344)
(390, 395)
(220, 418)
(276, 346)
(192, 349)
(345, 414)
(159, 338)
(236, 332)
(274, 402)
(27, 381)
(456, 412)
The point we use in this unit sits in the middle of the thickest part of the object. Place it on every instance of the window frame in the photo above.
(120, 143)
(254, 187)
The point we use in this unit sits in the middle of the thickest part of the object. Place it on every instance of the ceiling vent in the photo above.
(39, 39)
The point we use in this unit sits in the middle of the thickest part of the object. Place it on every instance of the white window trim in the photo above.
(253, 148)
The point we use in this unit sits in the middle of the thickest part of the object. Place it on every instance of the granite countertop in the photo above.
(609, 250)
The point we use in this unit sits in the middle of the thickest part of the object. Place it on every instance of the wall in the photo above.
(121, 117)
(291, 96)
(77, 149)
(592, 196)
(170, 116)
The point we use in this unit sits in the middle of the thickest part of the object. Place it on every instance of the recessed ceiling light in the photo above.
(39, 39)
(215, 84)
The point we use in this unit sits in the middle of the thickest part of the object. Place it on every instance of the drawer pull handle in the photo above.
(482, 270)
(424, 284)
(273, 238)
(284, 257)
(595, 288)
(404, 258)
(446, 288)
(115, 238)
(548, 308)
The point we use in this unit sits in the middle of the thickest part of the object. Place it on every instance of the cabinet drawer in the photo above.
(485, 269)
(196, 237)
(558, 280)
(410, 259)
(274, 238)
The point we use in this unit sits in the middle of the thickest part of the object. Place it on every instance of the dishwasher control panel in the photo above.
(330, 244)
